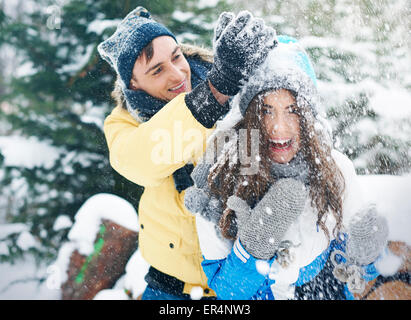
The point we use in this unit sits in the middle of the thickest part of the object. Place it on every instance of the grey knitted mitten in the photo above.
(367, 237)
(261, 229)
(198, 201)
(197, 198)
(200, 174)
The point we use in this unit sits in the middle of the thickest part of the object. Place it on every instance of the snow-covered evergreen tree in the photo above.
(56, 101)
(361, 53)
(53, 154)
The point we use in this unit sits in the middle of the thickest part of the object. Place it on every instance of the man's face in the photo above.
(166, 75)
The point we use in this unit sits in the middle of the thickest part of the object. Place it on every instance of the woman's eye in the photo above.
(293, 110)
(266, 111)
(176, 57)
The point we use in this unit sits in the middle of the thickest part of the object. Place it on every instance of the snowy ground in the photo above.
(390, 193)
(17, 282)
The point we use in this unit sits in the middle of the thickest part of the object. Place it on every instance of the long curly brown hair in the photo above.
(325, 178)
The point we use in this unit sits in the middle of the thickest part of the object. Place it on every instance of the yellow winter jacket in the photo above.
(147, 154)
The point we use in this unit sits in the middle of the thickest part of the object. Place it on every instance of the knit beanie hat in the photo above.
(287, 67)
(123, 48)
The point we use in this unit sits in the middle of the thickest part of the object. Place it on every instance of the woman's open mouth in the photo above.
(181, 87)
(281, 145)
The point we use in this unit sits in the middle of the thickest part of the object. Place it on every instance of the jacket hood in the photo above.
(287, 67)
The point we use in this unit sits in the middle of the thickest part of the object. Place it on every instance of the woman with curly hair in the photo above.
(295, 227)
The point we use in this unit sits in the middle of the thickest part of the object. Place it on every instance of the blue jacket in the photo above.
(236, 277)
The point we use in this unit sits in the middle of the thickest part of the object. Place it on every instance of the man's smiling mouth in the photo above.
(179, 88)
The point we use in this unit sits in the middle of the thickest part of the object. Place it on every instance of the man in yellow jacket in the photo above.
(169, 98)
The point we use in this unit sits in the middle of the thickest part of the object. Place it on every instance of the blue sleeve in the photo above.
(369, 273)
(235, 277)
